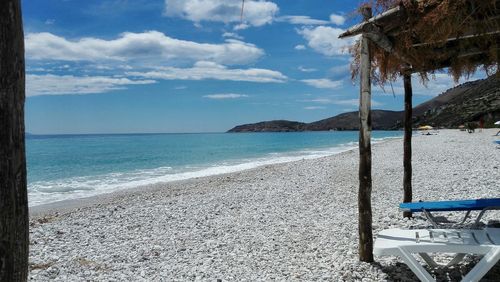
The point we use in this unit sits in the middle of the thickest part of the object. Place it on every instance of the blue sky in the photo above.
(121, 66)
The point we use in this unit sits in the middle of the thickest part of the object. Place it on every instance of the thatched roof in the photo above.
(427, 35)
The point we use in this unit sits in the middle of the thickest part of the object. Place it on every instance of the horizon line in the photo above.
(119, 133)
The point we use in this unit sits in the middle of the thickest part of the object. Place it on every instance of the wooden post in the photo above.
(407, 189)
(365, 154)
(13, 191)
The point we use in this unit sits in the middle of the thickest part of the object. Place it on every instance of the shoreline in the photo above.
(67, 205)
(292, 221)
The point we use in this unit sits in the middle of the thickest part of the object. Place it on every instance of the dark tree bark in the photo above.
(365, 151)
(407, 189)
(13, 189)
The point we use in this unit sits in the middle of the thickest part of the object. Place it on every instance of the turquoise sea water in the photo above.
(73, 166)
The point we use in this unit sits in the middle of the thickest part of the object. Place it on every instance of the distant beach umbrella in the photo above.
(497, 123)
(425, 127)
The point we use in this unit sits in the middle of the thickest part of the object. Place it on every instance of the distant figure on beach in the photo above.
(481, 124)
(471, 127)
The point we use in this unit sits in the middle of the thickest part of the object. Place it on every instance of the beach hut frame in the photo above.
(383, 31)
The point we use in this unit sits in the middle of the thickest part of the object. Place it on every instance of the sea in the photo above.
(62, 167)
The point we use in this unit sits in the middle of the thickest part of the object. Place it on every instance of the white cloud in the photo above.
(323, 83)
(436, 86)
(68, 84)
(232, 35)
(50, 21)
(337, 19)
(303, 20)
(300, 47)
(151, 46)
(341, 70)
(346, 102)
(209, 70)
(355, 102)
(303, 69)
(314, 108)
(321, 101)
(241, 26)
(324, 40)
(225, 96)
(255, 13)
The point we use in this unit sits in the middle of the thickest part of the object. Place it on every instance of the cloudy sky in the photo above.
(120, 66)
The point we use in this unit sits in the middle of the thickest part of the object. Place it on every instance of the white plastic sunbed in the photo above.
(404, 243)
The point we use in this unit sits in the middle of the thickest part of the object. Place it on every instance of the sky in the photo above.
(183, 66)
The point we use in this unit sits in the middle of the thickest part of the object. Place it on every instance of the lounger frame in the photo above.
(405, 243)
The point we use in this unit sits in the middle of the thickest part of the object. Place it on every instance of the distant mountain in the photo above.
(347, 121)
(464, 103)
(468, 102)
(350, 121)
(271, 126)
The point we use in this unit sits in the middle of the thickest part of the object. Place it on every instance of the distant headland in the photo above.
(467, 102)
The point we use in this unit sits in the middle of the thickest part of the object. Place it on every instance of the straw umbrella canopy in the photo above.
(425, 127)
(426, 36)
(415, 36)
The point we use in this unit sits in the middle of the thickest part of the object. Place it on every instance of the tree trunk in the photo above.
(365, 154)
(407, 189)
(13, 190)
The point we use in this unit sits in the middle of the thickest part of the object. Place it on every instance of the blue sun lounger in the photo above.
(468, 206)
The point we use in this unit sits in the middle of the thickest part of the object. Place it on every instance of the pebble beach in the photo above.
(294, 221)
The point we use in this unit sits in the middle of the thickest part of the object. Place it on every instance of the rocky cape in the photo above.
(468, 102)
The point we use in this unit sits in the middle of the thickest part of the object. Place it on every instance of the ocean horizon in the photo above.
(72, 166)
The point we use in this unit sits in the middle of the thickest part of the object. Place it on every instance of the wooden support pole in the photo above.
(13, 191)
(365, 155)
(407, 189)
(358, 29)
